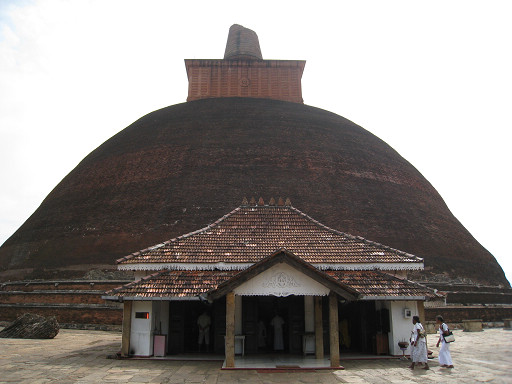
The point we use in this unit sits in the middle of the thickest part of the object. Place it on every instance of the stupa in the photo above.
(244, 131)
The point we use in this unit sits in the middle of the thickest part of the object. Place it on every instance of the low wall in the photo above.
(457, 314)
(479, 298)
(76, 302)
(84, 285)
(467, 288)
(72, 314)
(52, 297)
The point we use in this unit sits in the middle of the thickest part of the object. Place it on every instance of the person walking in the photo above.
(445, 358)
(418, 344)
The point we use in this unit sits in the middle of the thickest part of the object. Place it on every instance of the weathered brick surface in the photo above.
(458, 314)
(269, 79)
(77, 302)
(49, 297)
(28, 286)
(479, 298)
(182, 167)
(67, 314)
(242, 42)
(467, 288)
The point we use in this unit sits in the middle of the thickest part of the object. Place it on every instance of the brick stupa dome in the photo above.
(180, 168)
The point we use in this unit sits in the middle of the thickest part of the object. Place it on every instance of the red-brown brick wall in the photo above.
(69, 315)
(479, 298)
(260, 79)
(458, 314)
(61, 285)
(51, 297)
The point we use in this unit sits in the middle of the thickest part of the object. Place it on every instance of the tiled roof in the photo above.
(173, 284)
(165, 284)
(378, 284)
(249, 233)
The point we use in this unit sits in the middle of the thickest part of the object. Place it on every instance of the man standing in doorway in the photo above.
(203, 322)
(277, 322)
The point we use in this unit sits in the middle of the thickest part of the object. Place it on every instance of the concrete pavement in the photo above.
(76, 356)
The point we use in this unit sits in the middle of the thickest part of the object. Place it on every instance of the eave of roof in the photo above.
(212, 284)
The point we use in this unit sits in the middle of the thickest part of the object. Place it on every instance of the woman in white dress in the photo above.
(445, 359)
(418, 344)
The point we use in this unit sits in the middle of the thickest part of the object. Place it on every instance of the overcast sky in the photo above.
(433, 79)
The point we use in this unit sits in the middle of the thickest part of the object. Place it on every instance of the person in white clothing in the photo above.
(277, 322)
(203, 323)
(418, 344)
(445, 358)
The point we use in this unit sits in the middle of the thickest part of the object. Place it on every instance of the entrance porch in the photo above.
(320, 313)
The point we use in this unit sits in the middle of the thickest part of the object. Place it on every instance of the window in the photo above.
(142, 315)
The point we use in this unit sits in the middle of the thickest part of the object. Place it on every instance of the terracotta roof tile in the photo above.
(249, 233)
(378, 284)
(167, 283)
(173, 284)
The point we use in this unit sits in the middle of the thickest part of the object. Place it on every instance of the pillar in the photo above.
(230, 330)
(127, 328)
(319, 329)
(421, 311)
(334, 339)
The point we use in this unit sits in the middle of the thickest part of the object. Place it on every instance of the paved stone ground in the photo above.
(76, 356)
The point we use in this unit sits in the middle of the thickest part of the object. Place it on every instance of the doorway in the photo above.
(184, 330)
(262, 334)
(362, 328)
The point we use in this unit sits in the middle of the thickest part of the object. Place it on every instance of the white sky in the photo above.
(433, 79)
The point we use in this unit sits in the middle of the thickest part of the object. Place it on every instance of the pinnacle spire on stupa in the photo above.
(242, 44)
(243, 72)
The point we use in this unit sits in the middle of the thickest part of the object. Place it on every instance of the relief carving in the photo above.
(280, 280)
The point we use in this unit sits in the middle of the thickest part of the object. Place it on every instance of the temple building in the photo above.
(269, 278)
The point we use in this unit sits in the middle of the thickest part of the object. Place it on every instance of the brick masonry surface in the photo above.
(458, 314)
(270, 79)
(67, 314)
(180, 168)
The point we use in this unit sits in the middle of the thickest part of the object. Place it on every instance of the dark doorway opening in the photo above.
(184, 329)
(363, 328)
(262, 334)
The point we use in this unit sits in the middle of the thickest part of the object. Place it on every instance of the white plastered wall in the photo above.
(281, 280)
(141, 334)
(401, 326)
